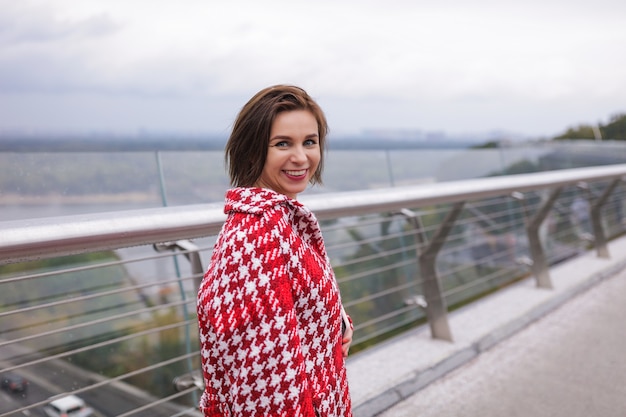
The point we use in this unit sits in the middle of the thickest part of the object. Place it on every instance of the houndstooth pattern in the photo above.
(269, 314)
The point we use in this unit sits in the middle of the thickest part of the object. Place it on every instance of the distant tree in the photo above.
(493, 144)
(614, 130)
(521, 167)
(579, 132)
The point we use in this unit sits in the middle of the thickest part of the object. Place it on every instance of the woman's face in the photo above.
(293, 154)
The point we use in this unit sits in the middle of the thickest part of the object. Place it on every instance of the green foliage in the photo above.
(493, 144)
(59, 295)
(142, 352)
(521, 167)
(56, 263)
(614, 130)
(64, 299)
(170, 344)
(382, 270)
(578, 132)
(375, 260)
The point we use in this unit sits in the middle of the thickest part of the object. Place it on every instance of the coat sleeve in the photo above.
(256, 351)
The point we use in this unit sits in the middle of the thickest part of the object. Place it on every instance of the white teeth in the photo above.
(296, 173)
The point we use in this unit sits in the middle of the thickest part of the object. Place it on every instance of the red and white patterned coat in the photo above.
(269, 314)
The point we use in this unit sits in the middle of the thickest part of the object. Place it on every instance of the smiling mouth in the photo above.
(297, 173)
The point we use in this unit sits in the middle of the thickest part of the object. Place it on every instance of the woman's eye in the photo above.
(310, 142)
(281, 144)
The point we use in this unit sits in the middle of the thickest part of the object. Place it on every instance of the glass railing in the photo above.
(45, 183)
(102, 305)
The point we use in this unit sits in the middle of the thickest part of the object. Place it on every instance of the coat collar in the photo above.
(254, 200)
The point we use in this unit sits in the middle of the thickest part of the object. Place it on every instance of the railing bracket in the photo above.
(416, 300)
(186, 381)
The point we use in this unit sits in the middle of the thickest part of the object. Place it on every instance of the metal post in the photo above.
(539, 265)
(436, 309)
(392, 182)
(599, 240)
(435, 304)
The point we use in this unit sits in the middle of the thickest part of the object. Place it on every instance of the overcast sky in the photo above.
(531, 67)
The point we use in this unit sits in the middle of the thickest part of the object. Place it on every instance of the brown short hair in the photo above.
(246, 149)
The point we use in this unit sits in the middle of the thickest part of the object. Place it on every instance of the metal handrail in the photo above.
(25, 240)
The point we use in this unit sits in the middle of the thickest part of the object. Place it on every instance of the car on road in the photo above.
(13, 383)
(68, 406)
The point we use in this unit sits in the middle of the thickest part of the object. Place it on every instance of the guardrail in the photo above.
(402, 256)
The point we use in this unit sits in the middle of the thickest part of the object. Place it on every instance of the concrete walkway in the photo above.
(570, 363)
(523, 351)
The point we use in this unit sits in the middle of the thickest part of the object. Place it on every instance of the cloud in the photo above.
(43, 52)
(21, 24)
(398, 58)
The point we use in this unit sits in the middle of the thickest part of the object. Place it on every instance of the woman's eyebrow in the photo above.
(283, 137)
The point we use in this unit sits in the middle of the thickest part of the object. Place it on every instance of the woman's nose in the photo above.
(298, 154)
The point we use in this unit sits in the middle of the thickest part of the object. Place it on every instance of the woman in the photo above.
(269, 309)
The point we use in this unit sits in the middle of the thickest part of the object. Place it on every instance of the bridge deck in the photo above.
(568, 363)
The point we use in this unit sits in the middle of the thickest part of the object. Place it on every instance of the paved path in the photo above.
(572, 362)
